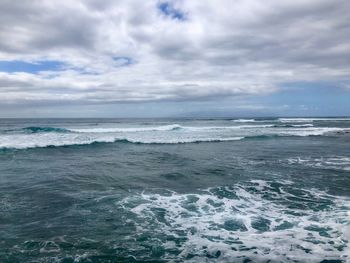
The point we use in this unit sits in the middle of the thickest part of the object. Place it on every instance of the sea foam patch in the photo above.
(260, 221)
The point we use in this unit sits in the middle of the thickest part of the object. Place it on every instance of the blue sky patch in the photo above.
(167, 9)
(11, 66)
(122, 61)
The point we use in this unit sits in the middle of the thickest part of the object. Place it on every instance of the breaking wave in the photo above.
(35, 129)
(291, 120)
(244, 120)
(138, 129)
(39, 137)
(311, 119)
(90, 141)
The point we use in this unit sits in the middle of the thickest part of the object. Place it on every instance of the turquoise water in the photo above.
(112, 190)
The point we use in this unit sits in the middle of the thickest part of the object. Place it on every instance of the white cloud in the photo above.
(221, 48)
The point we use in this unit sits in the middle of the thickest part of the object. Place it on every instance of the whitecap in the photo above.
(311, 119)
(244, 120)
(128, 129)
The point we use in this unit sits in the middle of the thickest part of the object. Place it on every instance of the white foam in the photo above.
(25, 141)
(210, 221)
(333, 162)
(128, 130)
(183, 140)
(238, 127)
(303, 125)
(244, 120)
(264, 129)
(311, 119)
(168, 128)
(308, 131)
(166, 134)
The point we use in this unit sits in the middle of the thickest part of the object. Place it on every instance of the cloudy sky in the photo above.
(149, 58)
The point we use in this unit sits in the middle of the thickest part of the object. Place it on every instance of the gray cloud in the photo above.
(221, 49)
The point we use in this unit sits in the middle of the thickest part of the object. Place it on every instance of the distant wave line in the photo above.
(25, 145)
(171, 127)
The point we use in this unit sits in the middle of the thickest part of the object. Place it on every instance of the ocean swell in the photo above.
(37, 129)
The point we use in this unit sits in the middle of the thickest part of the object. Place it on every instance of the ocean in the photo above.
(175, 190)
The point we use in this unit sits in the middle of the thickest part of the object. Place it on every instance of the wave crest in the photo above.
(38, 129)
(137, 129)
(244, 120)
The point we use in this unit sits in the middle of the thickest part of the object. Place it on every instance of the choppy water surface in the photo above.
(233, 190)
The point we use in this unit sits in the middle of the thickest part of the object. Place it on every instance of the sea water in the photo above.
(175, 190)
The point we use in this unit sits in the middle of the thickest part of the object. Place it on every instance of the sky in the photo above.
(179, 58)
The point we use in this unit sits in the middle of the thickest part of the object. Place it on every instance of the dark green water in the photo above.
(174, 191)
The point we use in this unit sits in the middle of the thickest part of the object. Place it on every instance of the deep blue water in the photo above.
(114, 190)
